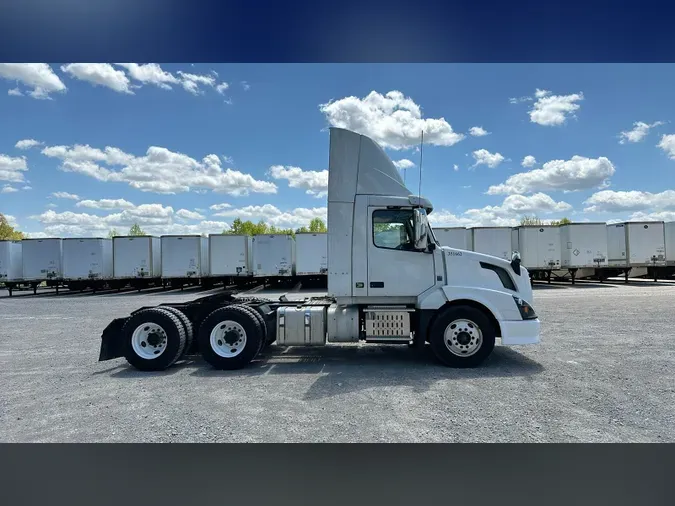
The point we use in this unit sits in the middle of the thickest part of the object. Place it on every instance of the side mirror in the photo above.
(420, 229)
(515, 262)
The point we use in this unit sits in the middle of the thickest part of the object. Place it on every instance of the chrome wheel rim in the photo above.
(463, 337)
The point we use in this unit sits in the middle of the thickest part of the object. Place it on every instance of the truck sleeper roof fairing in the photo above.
(359, 166)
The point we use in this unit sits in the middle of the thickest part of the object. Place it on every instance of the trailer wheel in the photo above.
(462, 336)
(230, 337)
(187, 326)
(154, 338)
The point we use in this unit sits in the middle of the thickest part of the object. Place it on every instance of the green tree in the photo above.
(136, 230)
(8, 232)
(530, 221)
(534, 221)
(247, 227)
(113, 233)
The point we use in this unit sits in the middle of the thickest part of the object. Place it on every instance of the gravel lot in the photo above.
(604, 372)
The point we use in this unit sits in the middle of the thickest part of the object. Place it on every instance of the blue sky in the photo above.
(190, 147)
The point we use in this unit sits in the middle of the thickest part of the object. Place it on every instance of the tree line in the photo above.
(534, 221)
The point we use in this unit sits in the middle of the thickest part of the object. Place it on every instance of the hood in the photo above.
(522, 280)
(480, 257)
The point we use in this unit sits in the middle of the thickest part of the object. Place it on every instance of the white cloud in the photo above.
(455, 167)
(404, 164)
(106, 204)
(11, 220)
(274, 216)
(189, 215)
(245, 85)
(520, 100)
(578, 173)
(618, 201)
(393, 120)
(478, 131)
(484, 157)
(553, 110)
(313, 182)
(51, 205)
(27, 144)
(38, 235)
(191, 82)
(639, 132)
(99, 74)
(8, 189)
(220, 207)
(222, 88)
(12, 168)
(38, 76)
(65, 195)
(15, 92)
(153, 218)
(159, 171)
(26, 187)
(150, 73)
(667, 144)
(506, 215)
(529, 161)
(655, 216)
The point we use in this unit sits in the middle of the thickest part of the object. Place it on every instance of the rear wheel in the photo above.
(230, 337)
(187, 326)
(154, 338)
(261, 321)
(462, 336)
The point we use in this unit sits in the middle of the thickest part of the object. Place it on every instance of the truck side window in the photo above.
(393, 229)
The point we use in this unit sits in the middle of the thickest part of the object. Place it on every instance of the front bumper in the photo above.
(520, 332)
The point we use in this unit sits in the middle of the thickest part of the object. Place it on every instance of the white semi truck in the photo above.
(389, 281)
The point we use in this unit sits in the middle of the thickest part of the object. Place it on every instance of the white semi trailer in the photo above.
(137, 261)
(583, 249)
(185, 259)
(311, 254)
(454, 237)
(230, 256)
(42, 261)
(87, 262)
(273, 256)
(539, 248)
(634, 247)
(11, 267)
(409, 291)
(494, 241)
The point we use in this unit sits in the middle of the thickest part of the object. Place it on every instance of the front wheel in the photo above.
(462, 336)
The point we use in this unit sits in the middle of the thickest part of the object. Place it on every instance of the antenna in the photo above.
(419, 191)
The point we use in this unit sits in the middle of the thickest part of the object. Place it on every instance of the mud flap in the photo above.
(111, 341)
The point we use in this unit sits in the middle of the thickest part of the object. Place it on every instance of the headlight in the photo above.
(526, 311)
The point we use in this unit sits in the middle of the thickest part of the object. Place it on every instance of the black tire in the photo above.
(261, 320)
(175, 334)
(445, 319)
(187, 326)
(251, 326)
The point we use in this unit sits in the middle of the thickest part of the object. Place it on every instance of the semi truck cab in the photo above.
(389, 282)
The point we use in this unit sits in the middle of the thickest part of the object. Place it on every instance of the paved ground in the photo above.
(605, 372)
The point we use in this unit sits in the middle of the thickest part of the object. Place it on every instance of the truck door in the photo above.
(395, 268)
